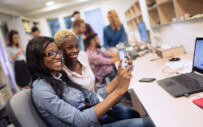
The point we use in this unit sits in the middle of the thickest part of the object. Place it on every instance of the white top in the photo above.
(12, 51)
(87, 79)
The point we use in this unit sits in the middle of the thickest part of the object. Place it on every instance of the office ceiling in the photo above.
(28, 5)
(31, 8)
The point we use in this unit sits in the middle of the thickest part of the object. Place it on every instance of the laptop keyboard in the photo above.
(187, 81)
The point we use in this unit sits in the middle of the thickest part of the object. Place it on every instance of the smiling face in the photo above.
(52, 58)
(70, 48)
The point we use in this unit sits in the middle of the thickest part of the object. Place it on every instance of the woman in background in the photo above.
(114, 32)
(16, 54)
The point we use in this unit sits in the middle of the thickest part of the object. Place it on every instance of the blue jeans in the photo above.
(134, 122)
(117, 113)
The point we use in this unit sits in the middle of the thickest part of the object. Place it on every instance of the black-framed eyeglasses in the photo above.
(52, 54)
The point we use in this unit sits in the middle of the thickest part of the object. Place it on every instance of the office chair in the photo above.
(21, 111)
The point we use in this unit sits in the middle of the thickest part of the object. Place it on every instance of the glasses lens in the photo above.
(51, 54)
(60, 52)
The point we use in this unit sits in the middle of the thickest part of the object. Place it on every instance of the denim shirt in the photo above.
(113, 37)
(67, 112)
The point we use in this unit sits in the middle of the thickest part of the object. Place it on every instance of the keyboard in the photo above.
(187, 81)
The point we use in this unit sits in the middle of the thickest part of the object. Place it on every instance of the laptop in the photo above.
(186, 84)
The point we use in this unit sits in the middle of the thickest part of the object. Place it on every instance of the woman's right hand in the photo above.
(124, 77)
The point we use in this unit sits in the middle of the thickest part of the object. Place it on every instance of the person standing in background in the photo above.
(78, 29)
(114, 32)
(35, 31)
(88, 30)
(16, 54)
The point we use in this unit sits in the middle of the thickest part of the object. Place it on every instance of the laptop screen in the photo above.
(198, 56)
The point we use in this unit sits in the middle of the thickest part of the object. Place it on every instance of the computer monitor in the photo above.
(143, 32)
(198, 56)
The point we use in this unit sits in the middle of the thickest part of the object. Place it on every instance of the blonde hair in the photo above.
(60, 35)
(116, 19)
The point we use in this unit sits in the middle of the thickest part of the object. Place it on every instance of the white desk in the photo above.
(164, 109)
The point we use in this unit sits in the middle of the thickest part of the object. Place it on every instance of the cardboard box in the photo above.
(172, 52)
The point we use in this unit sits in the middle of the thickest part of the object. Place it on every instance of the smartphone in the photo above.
(147, 80)
(122, 55)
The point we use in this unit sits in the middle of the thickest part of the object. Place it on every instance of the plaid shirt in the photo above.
(100, 62)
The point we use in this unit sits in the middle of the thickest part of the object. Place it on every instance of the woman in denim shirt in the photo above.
(62, 102)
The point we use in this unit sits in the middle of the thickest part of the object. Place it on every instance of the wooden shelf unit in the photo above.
(172, 9)
(139, 19)
(137, 8)
(162, 1)
(154, 16)
(166, 12)
(133, 15)
(191, 7)
(150, 3)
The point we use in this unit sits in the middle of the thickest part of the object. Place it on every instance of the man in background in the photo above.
(79, 28)
(35, 31)
(88, 28)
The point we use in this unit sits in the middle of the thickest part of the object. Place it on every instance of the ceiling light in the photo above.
(50, 3)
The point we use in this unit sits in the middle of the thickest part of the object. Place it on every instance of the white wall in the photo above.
(183, 33)
(17, 24)
(2, 38)
(119, 5)
(43, 26)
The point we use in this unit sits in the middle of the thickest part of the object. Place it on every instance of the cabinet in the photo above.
(133, 15)
(165, 11)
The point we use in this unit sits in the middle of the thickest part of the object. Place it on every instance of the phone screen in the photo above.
(122, 55)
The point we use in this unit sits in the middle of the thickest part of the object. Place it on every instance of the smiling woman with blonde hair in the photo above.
(114, 32)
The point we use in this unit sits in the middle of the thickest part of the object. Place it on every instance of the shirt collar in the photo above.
(58, 77)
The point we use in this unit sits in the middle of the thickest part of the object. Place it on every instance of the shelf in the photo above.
(185, 21)
(191, 7)
(163, 1)
(151, 8)
(154, 16)
(137, 8)
(133, 15)
(134, 24)
(150, 3)
(166, 11)
(139, 19)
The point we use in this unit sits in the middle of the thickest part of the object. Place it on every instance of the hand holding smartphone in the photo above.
(122, 54)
